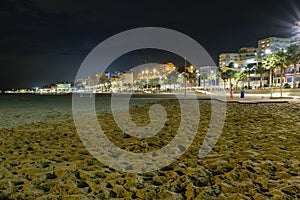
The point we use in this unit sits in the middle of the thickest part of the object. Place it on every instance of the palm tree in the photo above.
(242, 76)
(261, 71)
(269, 64)
(281, 62)
(293, 53)
(230, 73)
(249, 70)
(224, 78)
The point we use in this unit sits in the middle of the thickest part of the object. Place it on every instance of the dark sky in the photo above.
(44, 41)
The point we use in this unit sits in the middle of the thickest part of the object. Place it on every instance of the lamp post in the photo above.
(147, 73)
(143, 72)
(212, 78)
(185, 77)
(268, 52)
(198, 76)
(192, 81)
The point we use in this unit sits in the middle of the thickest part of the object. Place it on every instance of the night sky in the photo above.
(44, 41)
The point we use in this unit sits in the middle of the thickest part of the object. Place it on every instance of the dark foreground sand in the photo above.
(256, 157)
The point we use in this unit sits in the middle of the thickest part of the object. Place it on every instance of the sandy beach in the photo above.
(256, 157)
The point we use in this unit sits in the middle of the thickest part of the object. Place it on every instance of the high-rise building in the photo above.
(226, 58)
(272, 44)
(247, 53)
(245, 56)
(296, 33)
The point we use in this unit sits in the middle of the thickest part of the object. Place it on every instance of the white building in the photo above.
(226, 58)
(208, 76)
(63, 87)
(296, 33)
(272, 44)
(248, 55)
(245, 56)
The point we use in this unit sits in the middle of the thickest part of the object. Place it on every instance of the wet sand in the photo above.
(256, 157)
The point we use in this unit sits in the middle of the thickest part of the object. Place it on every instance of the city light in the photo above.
(268, 51)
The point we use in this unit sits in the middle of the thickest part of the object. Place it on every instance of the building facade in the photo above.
(63, 87)
(245, 56)
(272, 45)
(289, 75)
(226, 58)
(296, 33)
(207, 76)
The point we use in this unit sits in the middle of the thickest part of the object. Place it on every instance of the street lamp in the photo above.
(268, 51)
(192, 68)
(212, 77)
(185, 76)
(147, 72)
(198, 77)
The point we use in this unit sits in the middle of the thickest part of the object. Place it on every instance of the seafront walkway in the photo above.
(250, 97)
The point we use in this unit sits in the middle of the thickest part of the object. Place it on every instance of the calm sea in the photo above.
(16, 110)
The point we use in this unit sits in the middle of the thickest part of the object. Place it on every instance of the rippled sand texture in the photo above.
(256, 157)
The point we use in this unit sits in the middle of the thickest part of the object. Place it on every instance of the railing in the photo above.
(292, 72)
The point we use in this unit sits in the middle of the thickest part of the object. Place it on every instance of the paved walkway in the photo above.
(260, 98)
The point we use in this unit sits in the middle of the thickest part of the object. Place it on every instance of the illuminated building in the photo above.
(272, 45)
(296, 33)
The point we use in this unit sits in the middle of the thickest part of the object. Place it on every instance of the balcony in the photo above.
(291, 72)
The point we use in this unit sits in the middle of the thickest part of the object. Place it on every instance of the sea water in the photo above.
(18, 109)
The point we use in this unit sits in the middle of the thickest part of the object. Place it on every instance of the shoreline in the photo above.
(27, 110)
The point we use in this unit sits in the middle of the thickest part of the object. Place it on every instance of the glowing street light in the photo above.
(268, 51)
(192, 68)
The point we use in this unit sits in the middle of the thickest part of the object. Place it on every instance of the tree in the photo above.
(203, 77)
(242, 76)
(261, 71)
(227, 73)
(281, 61)
(293, 55)
(269, 64)
(224, 78)
(230, 73)
(249, 70)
